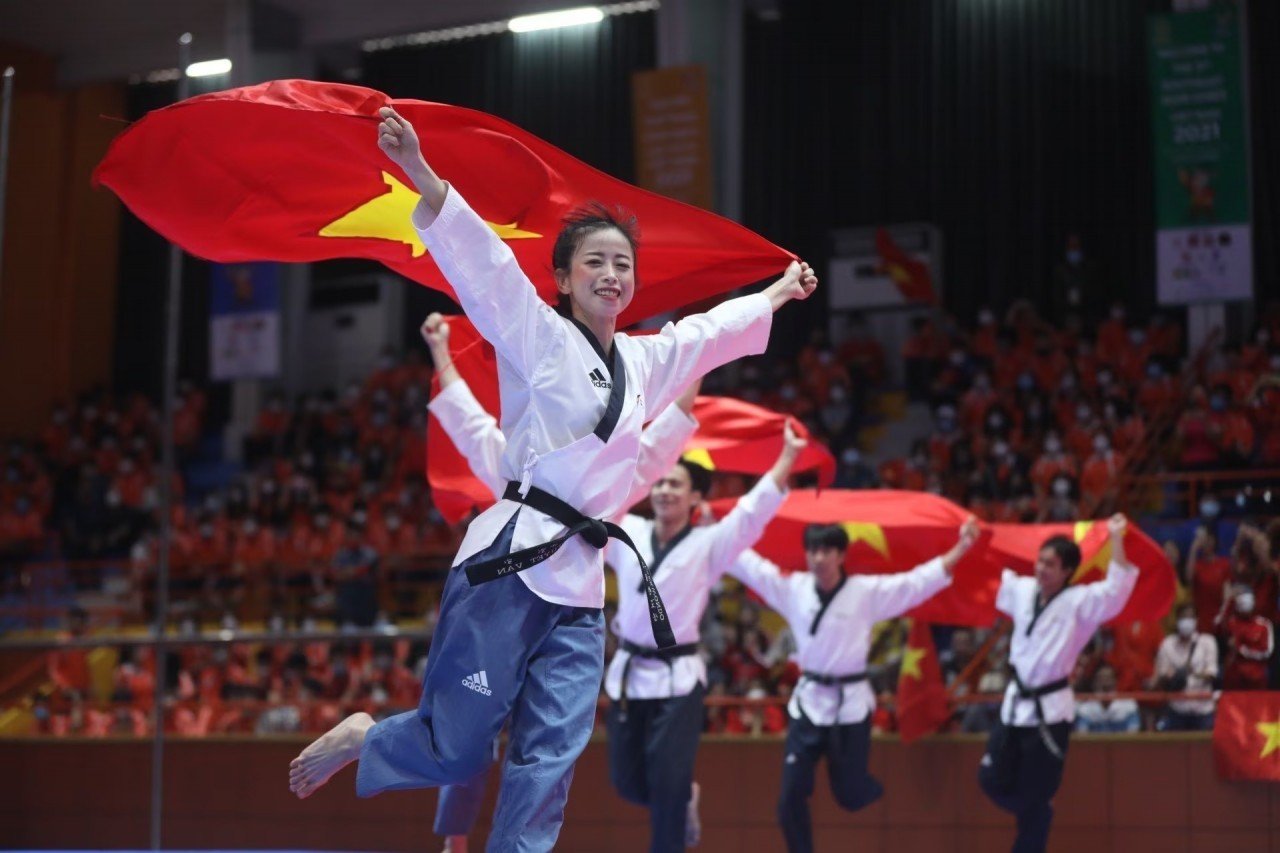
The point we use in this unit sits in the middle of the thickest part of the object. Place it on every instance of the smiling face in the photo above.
(674, 497)
(600, 279)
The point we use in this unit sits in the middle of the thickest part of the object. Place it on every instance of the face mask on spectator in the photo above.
(1052, 445)
(1074, 257)
(825, 357)
(1244, 603)
(837, 394)
(1218, 403)
(1186, 626)
(1082, 412)
(1137, 336)
(1209, 507)
(1061, 487)
(787, 392)
(995, 421)
(986, 318)
(1026, 381)
(393, 523)
(1154, 370)
(113, 498)
(1101, 444)
(850, 456)
(1117, 313)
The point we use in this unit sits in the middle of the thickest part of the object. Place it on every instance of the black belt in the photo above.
(668, 656)
(596, 532)
(1035, 694)
(838, 681)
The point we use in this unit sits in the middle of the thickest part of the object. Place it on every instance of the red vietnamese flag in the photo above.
(911, 276)
(1246, 736)
(734, 435)
(889, 531)
(1016, 546)
(290, 171)
(923, 706)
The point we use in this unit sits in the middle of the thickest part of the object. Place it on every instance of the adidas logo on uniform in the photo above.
(598, 379)
(479, 682)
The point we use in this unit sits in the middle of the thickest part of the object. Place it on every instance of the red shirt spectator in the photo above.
(1250, 640)
(1102, 469)
(1133, 654)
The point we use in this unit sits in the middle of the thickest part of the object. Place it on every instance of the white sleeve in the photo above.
(765, 579)
(473, 431)
(1206, 664)
(744, 524)
(660, 446)
(700, 343)
(496, 295)
(893, 595)
(1006, 598)
(1102, 600)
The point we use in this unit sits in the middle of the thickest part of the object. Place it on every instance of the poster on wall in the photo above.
(673, 133)
(244, 321)
(1204, 249)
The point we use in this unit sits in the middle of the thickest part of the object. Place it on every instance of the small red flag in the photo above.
(290, 170)
(923, 706)
(912, 277)
(456, 491)
(889, 531)
(1246, 736)
(1015, 546)
(734, 435)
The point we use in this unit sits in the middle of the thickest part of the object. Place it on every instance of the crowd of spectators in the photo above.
(1030, 422)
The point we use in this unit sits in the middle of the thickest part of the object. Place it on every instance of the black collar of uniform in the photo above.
(660, 554)
(595, 344)
(618, 375)
(825, 599)
(1037, 609)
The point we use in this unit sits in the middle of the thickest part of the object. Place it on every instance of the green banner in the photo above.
(1203, 240)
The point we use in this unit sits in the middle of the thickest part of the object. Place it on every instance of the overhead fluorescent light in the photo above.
(209, 67)
(554, 20)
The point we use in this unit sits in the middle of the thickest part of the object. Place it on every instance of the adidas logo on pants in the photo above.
(479, 682)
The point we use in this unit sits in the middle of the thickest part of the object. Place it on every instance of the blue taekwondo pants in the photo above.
(1020, 775)
(846, 748)
(652, 745)
(499, 652)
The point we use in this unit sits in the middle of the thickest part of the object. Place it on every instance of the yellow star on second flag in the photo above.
(911, 658)
(1272, 733)
(386, 217)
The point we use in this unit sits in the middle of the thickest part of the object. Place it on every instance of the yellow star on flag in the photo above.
(1099, 561)
(1271, 731)
(386, 217)
(911, 658)
(869, 532)
(699, 456)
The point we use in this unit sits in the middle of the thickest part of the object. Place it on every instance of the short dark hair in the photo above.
(699, 476)
(1068, 552)
(587, 219)
(818, 537)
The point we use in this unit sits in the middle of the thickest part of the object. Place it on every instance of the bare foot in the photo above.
(692, 820)
(328, 754)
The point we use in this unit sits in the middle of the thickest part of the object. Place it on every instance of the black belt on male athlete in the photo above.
(837, 681)
(596, 532)
(1035, 694)
(668, 656)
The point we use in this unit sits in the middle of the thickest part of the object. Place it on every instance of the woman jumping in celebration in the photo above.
(574, 396)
